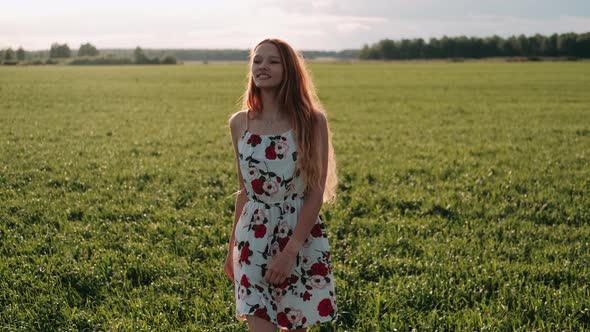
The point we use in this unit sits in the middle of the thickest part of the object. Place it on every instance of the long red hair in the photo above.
(297, 97)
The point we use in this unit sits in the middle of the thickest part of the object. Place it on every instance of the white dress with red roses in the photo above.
(276, 191)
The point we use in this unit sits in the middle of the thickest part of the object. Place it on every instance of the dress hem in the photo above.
(308, 324)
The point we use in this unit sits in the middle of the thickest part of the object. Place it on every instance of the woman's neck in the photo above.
(270, 105)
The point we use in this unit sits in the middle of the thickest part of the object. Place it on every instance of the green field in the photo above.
(463, 203)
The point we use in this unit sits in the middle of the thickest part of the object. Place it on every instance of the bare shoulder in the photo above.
(237, 122)
(321, 122)
(320, 118)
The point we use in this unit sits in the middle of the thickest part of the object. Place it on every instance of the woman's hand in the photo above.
(228, 268)
(280, 268)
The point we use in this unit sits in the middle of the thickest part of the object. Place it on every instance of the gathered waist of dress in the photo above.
(287, 199)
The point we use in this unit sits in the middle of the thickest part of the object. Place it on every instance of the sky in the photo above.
(306, 25)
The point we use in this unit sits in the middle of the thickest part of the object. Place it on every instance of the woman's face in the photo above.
(267, 69)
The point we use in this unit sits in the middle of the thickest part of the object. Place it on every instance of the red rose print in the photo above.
(289, 281)
(282, 319)
(257, 186)
(306, 296)
(278, 179)
(325, 308)
(259, 231)
(270, 152)
(282, 242)
(319, 269)
(254, 140)
(245, 282)
(245, 253)
(261, 312)
(316, 231)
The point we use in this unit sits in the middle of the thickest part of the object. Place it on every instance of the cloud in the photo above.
(307, 24)
(351, 27)
(424, 9)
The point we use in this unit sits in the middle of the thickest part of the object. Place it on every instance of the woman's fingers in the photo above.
(274, 278)
(269, 276)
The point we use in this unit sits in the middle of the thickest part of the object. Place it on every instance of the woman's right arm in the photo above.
(236, 124)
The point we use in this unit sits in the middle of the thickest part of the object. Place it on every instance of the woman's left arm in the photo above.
(280, 268)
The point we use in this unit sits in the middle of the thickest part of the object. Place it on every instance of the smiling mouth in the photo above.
(263, 77)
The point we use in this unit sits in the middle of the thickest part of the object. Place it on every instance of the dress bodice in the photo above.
(268, 166)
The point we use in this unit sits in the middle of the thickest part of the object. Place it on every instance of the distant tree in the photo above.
(512, 47)
(462, 48)
(433, 49)
(388, 50)
(523, 42)
(583, 45)
(404, 49)
(53, 51)
(375, 52)
(87, 50)
(417, 48)
(169, 60)
(59, 51)
(364, 54)
(20, 54)
(477, 47)
(446, 47)
(569, 44)
(140, 57)
(8, 54)
(551, 46)
(536, 45)
(493, 46)
(566, 44)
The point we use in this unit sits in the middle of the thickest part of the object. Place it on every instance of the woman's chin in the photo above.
(266, 85)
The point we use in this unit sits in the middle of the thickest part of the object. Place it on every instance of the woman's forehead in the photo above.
(267, 50)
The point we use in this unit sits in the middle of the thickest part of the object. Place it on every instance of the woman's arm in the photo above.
(314, 197)
(241, 198)
(279, 269)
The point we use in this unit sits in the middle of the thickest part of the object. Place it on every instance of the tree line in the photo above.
(87, 54)
(570, 45)
(555, 45)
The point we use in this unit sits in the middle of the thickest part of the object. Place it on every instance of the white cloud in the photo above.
(350, 27)
(306, 24)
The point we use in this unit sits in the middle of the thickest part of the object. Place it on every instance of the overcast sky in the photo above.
(318, 25)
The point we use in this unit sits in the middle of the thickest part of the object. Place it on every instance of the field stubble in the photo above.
(463, 201)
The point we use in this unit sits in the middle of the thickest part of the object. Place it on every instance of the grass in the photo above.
(463, 203)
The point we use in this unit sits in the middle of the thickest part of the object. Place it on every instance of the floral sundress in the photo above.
(276, 192)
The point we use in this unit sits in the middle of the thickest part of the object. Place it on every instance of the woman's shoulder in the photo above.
(237, 122)
(319, 117)
(238, 116)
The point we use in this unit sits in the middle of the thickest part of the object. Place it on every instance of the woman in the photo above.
(279, 255)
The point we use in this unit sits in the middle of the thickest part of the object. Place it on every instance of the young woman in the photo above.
(279, 255)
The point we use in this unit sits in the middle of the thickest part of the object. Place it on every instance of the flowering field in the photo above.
(463, 199)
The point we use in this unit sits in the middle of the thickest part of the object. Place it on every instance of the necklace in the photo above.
(269, 122)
